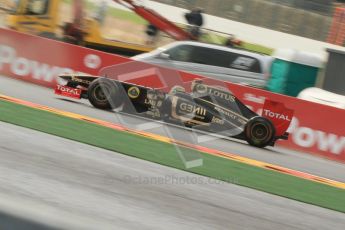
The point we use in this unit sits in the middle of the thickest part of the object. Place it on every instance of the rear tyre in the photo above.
(259, 132)
(104, 94)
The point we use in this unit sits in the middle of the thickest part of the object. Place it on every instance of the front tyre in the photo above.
(103, 94)
(259, 132)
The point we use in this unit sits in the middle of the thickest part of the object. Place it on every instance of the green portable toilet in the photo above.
(292, 71)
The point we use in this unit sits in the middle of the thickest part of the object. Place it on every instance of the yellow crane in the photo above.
(42, 17)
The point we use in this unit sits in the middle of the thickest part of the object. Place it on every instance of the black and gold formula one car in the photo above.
(206, 108)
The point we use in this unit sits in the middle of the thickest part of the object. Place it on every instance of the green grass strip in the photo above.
(165, 154)
(126, 15)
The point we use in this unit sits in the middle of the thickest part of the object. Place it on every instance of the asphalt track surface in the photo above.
(279, 156)
(68, 185)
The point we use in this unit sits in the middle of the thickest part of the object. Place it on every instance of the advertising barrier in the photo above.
(40, 60)
(315, 128)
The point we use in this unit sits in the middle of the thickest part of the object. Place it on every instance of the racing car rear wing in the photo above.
(280, 116)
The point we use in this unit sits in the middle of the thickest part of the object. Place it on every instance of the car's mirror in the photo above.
(164, 56)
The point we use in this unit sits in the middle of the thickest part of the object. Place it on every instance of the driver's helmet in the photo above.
(177, 89)
(198, 86)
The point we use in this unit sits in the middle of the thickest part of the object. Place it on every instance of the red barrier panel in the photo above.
(316, 128)
(39, 60)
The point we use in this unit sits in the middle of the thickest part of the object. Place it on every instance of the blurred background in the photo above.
(261, 26)
(307, 18)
